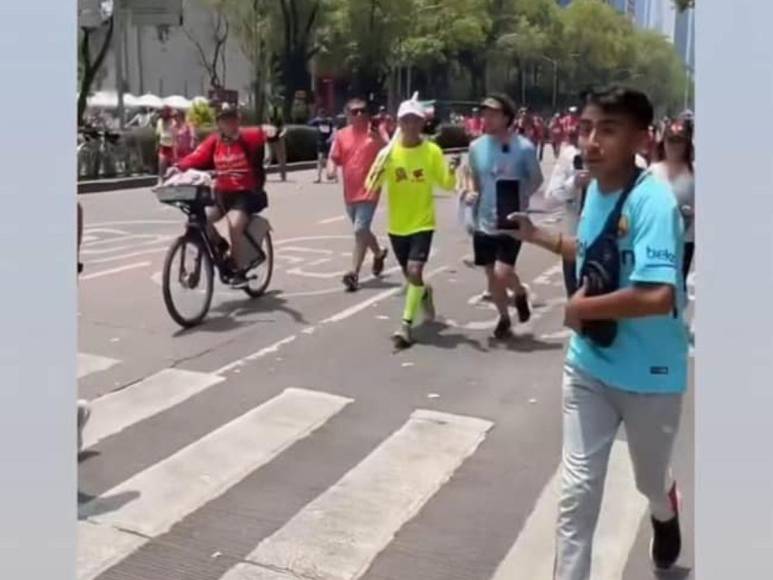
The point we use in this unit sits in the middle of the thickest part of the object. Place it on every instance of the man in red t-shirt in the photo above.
(473, 125)
(354, 149)
(236, 155)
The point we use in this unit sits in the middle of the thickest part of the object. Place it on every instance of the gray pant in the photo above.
(592, 415)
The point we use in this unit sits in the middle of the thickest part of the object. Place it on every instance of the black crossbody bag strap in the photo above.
(610, 227)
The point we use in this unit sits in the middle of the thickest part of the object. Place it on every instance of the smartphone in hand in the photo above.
(508, 202)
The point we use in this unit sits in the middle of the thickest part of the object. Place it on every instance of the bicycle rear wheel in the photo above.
(259, 277)
(188, 270)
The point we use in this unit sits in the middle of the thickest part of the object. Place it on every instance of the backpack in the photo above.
(255, 160)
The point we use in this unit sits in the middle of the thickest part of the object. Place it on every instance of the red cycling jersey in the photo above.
(229, 159)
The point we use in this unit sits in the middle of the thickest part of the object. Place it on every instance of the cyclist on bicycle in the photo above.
(236, 155)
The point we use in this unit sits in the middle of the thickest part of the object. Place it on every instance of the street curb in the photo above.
(141, 181)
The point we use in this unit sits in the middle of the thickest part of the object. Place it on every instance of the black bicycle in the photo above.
(195, 255)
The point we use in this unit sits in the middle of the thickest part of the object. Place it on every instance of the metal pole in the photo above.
(118, 23)
(555, 86)
(139, 61)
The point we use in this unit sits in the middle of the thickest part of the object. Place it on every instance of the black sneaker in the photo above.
(522, 306)
(378, 263)
(223, 247)
(504, 329)
(239, 281)
(351, 282)
(666, 537)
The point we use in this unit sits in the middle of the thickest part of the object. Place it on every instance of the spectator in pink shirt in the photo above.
(185, 136)
(354, 149)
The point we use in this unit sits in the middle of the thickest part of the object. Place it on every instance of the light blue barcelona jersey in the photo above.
(490, 164)
(649, 355)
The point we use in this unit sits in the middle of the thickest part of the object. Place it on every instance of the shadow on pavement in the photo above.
(230, 311)
(676, 573)
(433, 334)
(524, 343)
(105, 505)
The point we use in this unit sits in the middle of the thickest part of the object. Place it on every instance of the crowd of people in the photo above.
(626, 243)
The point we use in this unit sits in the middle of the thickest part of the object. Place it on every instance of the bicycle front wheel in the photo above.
(188, 281)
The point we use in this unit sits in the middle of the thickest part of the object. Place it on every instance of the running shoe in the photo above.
(667, 537)
(378, 263)
(403, 338)
(351, 282)
(504, 329)
(522, 306)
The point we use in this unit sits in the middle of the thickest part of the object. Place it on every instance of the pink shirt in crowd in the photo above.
(355, 151)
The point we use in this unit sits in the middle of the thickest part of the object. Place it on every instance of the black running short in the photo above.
(247, 201)
(412, 248)
(491, 249)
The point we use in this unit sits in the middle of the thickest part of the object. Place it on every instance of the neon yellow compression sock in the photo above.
(413, 299)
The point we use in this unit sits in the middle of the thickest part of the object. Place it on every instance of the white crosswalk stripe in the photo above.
(170, 490)
(115, 411)
(339, 534)
(88, 364)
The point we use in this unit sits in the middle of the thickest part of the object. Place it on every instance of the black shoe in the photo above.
(522, 306)
(504, 329)
(239, 281)
(223, 247)
(351, 282)
(666, 537)
(378, 263)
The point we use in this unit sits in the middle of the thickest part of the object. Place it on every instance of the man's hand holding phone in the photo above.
(525, 230)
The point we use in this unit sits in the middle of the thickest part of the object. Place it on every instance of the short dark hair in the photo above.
(508, 106)
(632, 103)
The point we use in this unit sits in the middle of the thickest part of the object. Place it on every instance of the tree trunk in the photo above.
(90, 69)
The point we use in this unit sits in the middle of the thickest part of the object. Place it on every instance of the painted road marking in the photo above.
(621, 513)
(339, 534)
(90, 363)
(352, 310)
(271, 349)
(176, 487)
(332, 220)
(117, 270)
(116, 411)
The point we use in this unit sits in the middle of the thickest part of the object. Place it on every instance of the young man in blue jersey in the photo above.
(638, 380)
(500, 154)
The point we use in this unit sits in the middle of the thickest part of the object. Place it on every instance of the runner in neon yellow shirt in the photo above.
(412, 171)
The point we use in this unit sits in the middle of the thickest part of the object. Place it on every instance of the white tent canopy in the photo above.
(178, 102)
(103, 100)
(149, 101)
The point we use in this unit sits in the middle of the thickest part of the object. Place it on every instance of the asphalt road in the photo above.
(285, 439)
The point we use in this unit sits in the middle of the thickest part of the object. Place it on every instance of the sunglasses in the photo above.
(357, 112)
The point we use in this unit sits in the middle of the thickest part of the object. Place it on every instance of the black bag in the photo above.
(601, 269)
